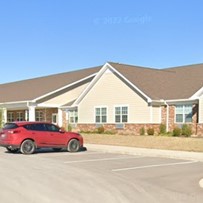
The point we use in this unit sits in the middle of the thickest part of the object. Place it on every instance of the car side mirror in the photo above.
(62, 130)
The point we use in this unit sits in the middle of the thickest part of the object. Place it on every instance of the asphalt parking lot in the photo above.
(92, 176)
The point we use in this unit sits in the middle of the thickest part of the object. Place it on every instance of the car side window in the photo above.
(10, 126)
(52, 128)
(28, 127)
(37, 127)
(40, 127)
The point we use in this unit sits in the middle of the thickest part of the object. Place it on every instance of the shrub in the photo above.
(162, 129)
(186, 130)
(177, 131)
(150, 131)
(100, 129)
(69, 127)
(142, 131)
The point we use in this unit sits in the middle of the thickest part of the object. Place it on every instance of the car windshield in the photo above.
(9, 126)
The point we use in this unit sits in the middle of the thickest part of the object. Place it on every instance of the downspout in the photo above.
(198, 117)
(167, 116)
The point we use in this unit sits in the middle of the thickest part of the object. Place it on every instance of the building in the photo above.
(120, 97)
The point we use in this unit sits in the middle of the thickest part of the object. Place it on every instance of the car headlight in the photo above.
(3, 135)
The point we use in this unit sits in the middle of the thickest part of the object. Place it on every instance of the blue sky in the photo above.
(43, 37)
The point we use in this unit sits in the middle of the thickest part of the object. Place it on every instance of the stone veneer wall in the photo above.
(199, 130)
(129, 129)
(65, 121)
(199, 126)
(196, 128)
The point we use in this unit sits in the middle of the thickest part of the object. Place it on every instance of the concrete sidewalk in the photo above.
(198, 156)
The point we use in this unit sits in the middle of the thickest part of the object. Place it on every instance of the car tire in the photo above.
(11, 150)
(27, 147)
(73, 145)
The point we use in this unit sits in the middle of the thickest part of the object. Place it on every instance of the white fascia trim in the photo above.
(69, 85)
(92, 83)
(158, 102)
(179, 101)
(100, 73)
(66, 108)
(197, 94)
(17, 104)
(49, 105)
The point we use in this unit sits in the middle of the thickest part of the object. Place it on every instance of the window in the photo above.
(73, 116)
(121, 114)
(54, 118)
(101, 115)
(19, 116)
(183, 113)
(39, 116)
(10, 117)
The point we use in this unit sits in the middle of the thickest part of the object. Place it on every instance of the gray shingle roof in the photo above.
(170, 83)
(27, 90)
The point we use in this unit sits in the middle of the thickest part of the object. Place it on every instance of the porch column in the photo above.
(26, 115)
(4, 114)
(167, 117)
(67, 116)
(31, 113)
(60, 118)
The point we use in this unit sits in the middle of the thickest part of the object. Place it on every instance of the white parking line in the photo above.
(59, 154)
(84, 153)
(152, 166)
(103, 159)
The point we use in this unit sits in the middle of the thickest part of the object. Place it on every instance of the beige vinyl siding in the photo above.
(66, 97)
(110, 91)
(156, 114)
(201, 109)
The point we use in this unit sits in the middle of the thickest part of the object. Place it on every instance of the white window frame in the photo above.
(10, 117)
(121, 106)
(54, 117)
(39, 115)
(73, 116)
(19, 116)
(183, 105)
(100, 107)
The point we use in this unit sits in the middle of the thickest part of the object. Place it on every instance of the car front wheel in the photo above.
(73, 145)
(27, 147)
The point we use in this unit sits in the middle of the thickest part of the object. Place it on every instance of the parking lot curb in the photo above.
(197, 156)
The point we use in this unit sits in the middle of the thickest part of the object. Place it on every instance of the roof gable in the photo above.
(98, 76)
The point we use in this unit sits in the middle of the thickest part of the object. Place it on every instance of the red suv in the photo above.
(29, 136)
